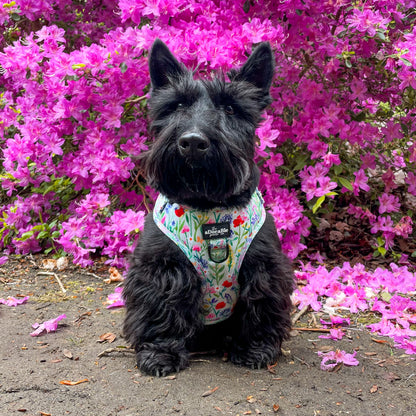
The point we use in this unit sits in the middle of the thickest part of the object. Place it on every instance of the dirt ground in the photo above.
(32, 368)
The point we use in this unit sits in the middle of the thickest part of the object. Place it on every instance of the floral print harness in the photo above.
(215, 242)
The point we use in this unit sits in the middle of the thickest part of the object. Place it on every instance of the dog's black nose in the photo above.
(193, 145)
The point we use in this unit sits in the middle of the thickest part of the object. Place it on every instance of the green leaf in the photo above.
(338, 169)
(301, 162)
(405, 61)
(16, 17)
(78, 66)
(318, 203)
(26, 235)
(246, 6)
(386, 296)
(380, 240)
(123, 67)
(345, 183)
(42, 234)
(381, 35)
(382, 251)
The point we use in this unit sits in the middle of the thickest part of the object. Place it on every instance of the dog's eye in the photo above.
(180, 106)
(229, 110)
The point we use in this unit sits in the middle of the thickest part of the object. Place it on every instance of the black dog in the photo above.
(202, 164)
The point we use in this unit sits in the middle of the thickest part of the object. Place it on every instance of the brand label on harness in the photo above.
(219, 230)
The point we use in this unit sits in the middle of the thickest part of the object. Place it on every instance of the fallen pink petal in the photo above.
(334, 333)
(336, 321)
(332, 358)
(12, 301)
(115, 300)
(47, 326)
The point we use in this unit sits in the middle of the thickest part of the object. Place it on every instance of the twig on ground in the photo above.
(299, 314)
(302, 361)
(94, 275)
(311, 329)
(116, 349)
(55, 276)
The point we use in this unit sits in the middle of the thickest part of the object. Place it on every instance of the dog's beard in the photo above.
(214, 182)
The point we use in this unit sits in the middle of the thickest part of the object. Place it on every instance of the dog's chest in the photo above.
(215, 242)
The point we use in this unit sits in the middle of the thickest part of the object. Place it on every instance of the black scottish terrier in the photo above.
(209, 263)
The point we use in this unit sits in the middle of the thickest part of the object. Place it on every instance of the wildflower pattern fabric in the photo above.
(215, 242)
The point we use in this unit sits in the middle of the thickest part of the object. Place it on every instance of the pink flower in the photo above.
(367, 21)
(330, 159)
(360, 182)
(334, 333)
(388, 203)
(336, 321)
(47, 326)
(368, 161)
(185, 229)
(358, 89)
(115, 300)
(335, 357)
(355, 299)
(307, 297)
(12, 301)
(408, 345)
(411, 181)
(391, 131)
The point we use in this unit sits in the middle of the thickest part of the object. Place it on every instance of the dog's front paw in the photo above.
(255, 357)
(161, 360)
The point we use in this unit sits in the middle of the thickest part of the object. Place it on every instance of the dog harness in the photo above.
(215, 242)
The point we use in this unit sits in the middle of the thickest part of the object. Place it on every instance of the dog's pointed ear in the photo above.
(259, 68)
(163, 66)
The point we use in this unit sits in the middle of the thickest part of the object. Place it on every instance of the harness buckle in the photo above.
(218, 250)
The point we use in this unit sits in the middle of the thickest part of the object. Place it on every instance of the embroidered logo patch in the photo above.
(214, 231)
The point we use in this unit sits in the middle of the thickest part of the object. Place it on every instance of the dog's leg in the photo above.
(163, 297)
(262, 315)
(162, 317)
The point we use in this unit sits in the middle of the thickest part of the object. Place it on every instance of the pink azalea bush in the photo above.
(74, 83)
(338, 138)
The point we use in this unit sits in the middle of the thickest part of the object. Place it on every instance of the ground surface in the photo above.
(32, 368)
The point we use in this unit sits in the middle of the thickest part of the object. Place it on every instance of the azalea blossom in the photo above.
(388, 203)
(115, 300)
(334, 333)
(12, 301)
(47, 326)
(332, 358)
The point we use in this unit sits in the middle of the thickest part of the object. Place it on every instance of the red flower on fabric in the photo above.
(227, 283)
(238, 221)
(179, 212)
(220, 305)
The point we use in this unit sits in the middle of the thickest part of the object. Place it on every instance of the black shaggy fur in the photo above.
(203, 157)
